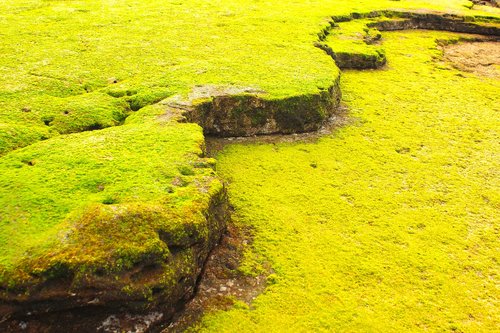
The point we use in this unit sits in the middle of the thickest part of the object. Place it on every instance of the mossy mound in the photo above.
(125, 214)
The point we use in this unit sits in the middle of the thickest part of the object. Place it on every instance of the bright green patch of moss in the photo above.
(73, 66)
(76, 182)
(390, 224)
(355, 45)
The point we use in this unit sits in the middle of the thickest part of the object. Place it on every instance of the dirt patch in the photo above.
(222, 283)
(480, 58)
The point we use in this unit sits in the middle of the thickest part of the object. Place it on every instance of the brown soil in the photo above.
(480, 58)
(222, 283)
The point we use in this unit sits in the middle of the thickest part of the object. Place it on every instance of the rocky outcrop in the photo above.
(157, 282)
(227, 112)
(430, 21)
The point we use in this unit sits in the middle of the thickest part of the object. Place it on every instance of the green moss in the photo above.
(13, 136)
(80, 113)
(69, 53)
(96, 201)
(67, 182)
(353, 45)
(352, 41)
(144, 98)
(394, 229)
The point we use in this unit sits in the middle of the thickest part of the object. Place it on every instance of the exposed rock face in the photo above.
(493, 3)
(227, 112)
(437, 22)
(155, 283)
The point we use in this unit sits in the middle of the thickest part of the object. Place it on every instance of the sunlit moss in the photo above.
(53, 186)
(53, 54)
(389, 224)
(99, 66)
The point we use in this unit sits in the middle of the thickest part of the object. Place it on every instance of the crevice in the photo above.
(221, 282)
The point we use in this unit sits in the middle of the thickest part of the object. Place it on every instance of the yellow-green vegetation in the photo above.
(97, 176)
(354, 40)
(55, 53)
(355, 45)
(390, 224)
(88, 198)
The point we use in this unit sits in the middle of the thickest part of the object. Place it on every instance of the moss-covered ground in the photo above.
(389, 224)
(355, 40)
(63, 64)
(403, 199)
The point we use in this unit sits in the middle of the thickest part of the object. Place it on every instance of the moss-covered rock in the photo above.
(84, 223)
